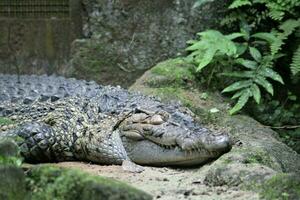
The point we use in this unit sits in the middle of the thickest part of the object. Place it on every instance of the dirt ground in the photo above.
(166, 183)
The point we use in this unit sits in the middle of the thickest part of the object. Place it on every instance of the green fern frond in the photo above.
(239, 3)
(295, 65)
(243, 99)
(289, 26)
(262, 81)
(278, 9)
(211, 44)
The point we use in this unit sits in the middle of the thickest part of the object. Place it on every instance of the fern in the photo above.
(239, 3)
(250, 58)
(252, 10)
(211, 45)
(277, 37)
(295, 66)
(258, 76)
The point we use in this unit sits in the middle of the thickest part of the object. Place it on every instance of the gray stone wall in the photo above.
(126, 37)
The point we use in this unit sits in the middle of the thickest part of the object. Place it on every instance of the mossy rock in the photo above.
(47, 182)
(9, 152)
(236, 174)
(12, 179)
(12, 183)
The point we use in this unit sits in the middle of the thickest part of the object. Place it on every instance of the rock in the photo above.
(125, 38)
(257, 155)
(9, 152)
(12, 183)
(8, 148)
(47, 182)
(12, 179)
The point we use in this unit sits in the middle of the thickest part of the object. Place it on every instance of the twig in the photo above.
(123, 68)
(284, 127)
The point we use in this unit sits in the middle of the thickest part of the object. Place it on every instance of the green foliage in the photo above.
(257, 11)
(211, 45)
(249, 59)
(9, 152)
(295, 66)
(281, 186)
(16, 161)
(264, 54)
(251, 74)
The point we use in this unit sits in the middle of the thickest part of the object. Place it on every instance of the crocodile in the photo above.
(64, 119)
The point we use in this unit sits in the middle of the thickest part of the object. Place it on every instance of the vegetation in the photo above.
(259, 63)
(9, 153)
(281, 186)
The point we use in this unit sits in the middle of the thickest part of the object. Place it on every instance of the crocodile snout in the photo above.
(218, 143)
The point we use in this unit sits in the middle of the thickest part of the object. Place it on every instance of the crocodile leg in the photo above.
(38, 142)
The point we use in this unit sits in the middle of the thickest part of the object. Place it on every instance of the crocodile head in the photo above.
(163, 139)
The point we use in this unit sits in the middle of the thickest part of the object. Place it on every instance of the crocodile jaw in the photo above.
(157, 139)
(145, 152)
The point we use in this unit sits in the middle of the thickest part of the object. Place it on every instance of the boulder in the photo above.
(48, 182)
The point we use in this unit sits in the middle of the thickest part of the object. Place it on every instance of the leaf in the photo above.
(237, 85)
(269, 37)
(191, 41)
(295, 66)
(243, 99)
(255, 54)
(237, 94)
(214, 110)
(245, 29)
(242, 74)
(241, 48)
(270, 73)
(239, 3)
(196, 46)
(207, 58)
(289, 26)
(256, 93)
(260, 80)
(233, 36)
(247, 63)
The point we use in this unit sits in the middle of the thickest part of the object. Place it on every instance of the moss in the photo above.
(48, 182)
(281, 187)
(258, 156)
(5, 121)
(9, 152)
(176, 72)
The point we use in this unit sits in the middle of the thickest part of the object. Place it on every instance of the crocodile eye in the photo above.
(157, 120)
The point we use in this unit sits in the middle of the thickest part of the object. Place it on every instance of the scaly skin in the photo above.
(66, 119)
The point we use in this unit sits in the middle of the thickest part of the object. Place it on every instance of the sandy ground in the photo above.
(166, 183)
